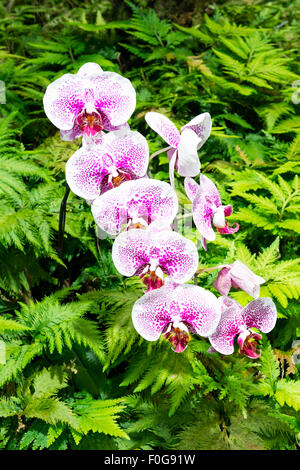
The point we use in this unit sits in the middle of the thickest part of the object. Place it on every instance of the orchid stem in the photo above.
(62, 221)
(212, 268)
(160, 151)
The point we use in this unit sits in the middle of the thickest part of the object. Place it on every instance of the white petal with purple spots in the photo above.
(210, 191)
(229, 326)
(191, 188)
(114, 95)
(64, 99)
(164, 127)
(260, 314)
(201, 125)
(202, 215)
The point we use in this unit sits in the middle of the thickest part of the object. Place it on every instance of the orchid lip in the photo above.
(178, 335)
(117, 177)
(248, 343)
(152, 276)
(90, 121)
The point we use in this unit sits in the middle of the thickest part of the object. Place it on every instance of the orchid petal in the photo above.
(114, 95)
(164, 127)
(202, 215)
(85, 171)
(188, 161)
(203, 243)
(209, 189)
(133, 250)
(129, 150)
(193, 305)
(260, 314)
(227, 302)
(64, 99)
(71, 134)
(89, 69)
(172, 156)
(219, 218)
(223, 282)
(201, 125)
(191, 187)
(243, 278)
(229, 326)
(145, 198)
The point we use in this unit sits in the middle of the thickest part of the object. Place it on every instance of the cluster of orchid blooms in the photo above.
(110, 172)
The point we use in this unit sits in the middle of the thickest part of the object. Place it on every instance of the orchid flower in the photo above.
(89, 101)
(183, 145)
(153, 252)
(208, 209)
(239, 276)
(176, 310)
(236, 320)
(135, 203)
(94, 169)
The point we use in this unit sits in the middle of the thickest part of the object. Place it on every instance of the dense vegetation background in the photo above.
(76, 373)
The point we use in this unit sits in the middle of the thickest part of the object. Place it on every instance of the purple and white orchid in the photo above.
(239, 276)
(208, 208)
(184, 144)
(176, 310)
(236, 320)
(135, 204)
(88, 102)
(153, 252)
(94, 169)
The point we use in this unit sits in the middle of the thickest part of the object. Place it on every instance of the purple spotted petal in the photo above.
(193, 305)
(188, 161)
(107, 126)
(229, 326)
(223, 282)
(144, 200)
(210, 191)
(164, 127)
(64, 99)
(71, 134)
(136, 249)
(201, 125)
(243, 278)
(129, 150)
(260, 314)
(191, 188)
(227, 302)
(85, 171)
(202, 215)
(114, 96)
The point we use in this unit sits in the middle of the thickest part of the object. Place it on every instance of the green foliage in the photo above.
(74, 374)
